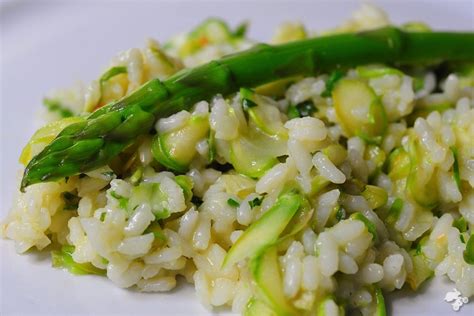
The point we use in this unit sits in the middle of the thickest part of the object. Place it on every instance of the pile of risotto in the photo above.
(373, 214)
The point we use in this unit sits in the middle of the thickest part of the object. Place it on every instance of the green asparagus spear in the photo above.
(87, 145)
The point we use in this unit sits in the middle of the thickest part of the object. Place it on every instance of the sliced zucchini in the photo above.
(398, 164)
(421, 183)
(375, 196)
(63, 259)
(421, 269)
(151, 193)
(43, 136)
(394, 211)
(336, 153)
(266, 273)
(266, 230)
(186, 183)
(265, 117)
(359, 110)
(176, 149)
(299, 221)
(256, 307)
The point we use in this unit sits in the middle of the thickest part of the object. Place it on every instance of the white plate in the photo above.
(48, 44)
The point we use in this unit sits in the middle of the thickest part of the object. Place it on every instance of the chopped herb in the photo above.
(112, 72)
(57, 107)
(461, 224)
(469, 251)
(340, 214)
(456, 175)
(334, 77)
(255, 202)
(461, 236)
(292, 112)
(306, 108)
(71, 201)
(63, 259)
(102, 216)
(233, 202)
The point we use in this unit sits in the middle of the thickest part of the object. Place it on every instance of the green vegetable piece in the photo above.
(456, 175)
(56, 107)
(123, 202)
(334, 77)
(292, 112)
(318, 183)
(160, 237)
(266, 273)
(421, 269)
(266, 230)
(256, 307)
(468, 253)
(112, 72)
(176, 149)
(394, 211)
(149, 192)
(120, 123)
(234, 203)
(461, 224)
(186, 183)
(368, 224)
(375, 196)
(421, 184)
(256, 202)
(63, 259)
(247, 158)
(359, 110)
(299, 221)
(398, 164)
(380, 301)
(336, 153)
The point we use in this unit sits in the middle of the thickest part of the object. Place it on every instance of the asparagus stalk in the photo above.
(87, 145)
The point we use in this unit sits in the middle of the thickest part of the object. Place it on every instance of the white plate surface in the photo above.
(50, 44)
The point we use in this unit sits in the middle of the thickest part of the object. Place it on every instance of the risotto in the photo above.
(308, 195)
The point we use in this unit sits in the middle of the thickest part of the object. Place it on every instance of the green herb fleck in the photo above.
(102, 216)
(255, 202)
(123, 202)
(233, 202)
(340, 214)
